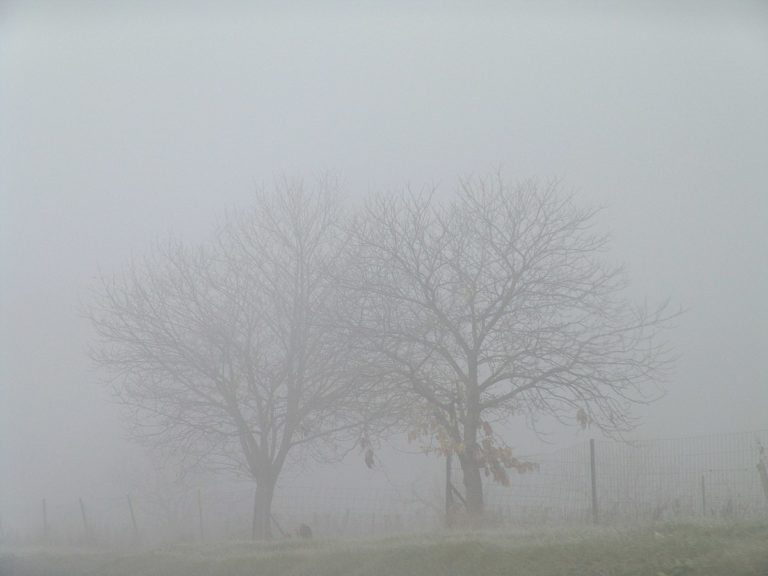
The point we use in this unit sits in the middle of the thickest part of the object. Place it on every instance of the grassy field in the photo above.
(662, 551)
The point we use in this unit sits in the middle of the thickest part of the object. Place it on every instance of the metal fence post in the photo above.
(133, 519)
(45, 521)
(200, 514)
(84, 518)
(593, 477)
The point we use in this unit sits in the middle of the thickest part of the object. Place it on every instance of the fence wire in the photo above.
(676, 479)
(720, 476)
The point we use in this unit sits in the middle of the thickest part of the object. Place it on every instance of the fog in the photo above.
(122, 123)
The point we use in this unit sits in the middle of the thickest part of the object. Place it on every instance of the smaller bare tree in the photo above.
(226, 354)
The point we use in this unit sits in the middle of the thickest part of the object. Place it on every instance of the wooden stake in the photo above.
(200, 513)
(84, 518)
(133, 519)
(593, 474)
(45, 521)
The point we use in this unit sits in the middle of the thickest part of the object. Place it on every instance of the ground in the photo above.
(659, 551)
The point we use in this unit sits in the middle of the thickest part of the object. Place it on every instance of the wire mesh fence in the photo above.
(656, 480)
(678, 479)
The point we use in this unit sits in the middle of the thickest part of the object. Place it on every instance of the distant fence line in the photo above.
(707, 477)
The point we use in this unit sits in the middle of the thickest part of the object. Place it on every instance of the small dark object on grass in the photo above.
(304, 531)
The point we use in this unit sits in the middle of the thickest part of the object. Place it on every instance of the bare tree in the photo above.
(225, 354)
(497, 303)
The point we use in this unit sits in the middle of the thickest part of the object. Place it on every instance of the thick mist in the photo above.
(122, 123)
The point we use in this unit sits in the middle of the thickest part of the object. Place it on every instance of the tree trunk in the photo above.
(262, 510)
(473, 481)
(473, 488)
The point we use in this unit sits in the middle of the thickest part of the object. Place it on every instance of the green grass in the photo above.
(663, 551)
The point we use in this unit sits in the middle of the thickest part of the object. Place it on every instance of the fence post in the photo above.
(703, 496)
(593, 477)
(254, 520)
(763, 471)
(45, 521)
(84, 518)
(200, 513)
(133, 519)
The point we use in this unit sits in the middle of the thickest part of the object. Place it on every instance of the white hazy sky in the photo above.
(123, 121)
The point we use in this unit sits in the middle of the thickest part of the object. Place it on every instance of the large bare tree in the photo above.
(498, 302)
(226, 354)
